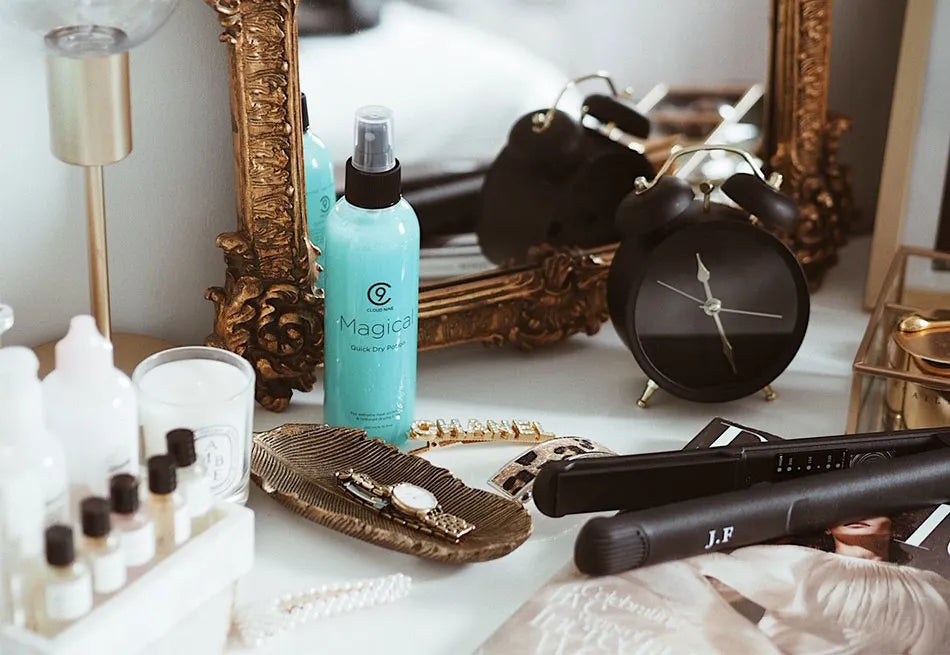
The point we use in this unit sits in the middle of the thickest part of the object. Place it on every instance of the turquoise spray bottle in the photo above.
(372, 290)
(318, 181)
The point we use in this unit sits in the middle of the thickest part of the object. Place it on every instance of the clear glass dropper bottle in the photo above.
(101, 548)
(192, 478)
(167, 506)
(134, 527)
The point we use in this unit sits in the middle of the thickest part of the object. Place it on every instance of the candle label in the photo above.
(219, 449)
(108, 571)
(139, 545)
(67, 600)
(182, 525)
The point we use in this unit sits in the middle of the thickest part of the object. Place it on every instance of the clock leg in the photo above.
(647, 394)
(769, 392)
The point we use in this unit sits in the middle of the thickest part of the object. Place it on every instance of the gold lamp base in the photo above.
(129, 349)
(91, 126)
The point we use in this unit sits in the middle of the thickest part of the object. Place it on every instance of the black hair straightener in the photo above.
(635, 482)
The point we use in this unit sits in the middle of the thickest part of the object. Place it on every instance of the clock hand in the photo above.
(682, 293)
(747, 313)
(726, 346)
(702, 274)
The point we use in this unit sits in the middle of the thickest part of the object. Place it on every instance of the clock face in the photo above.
(720, 311)
(411, 497)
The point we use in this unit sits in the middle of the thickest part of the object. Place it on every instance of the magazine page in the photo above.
(874, 586)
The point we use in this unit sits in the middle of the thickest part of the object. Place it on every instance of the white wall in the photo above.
(166, 202)
(929, 163)
(640, 42)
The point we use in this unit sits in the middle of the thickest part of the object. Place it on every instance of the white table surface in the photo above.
(586, 386)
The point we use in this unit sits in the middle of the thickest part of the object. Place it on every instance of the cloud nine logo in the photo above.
(378, 293)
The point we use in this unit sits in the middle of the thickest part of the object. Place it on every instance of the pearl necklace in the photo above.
(261, 621)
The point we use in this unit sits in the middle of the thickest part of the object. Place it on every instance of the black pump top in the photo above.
(372, 190)
(124, 491)
(304, 112)
(181, 446)
(161, 474)
(60, 550)
(373, 175)
(94, 512)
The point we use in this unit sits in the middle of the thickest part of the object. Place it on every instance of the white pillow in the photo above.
(455, 89)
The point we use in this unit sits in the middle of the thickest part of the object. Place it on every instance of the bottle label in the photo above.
(121, 459)
(57, 503)
(319, 204)
(139, 545)
(370, 342)
(198, 495)
(68, 600)
(182, 525)
(108, 571)
(220, 450)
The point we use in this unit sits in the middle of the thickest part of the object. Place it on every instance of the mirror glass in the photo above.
(459, 74)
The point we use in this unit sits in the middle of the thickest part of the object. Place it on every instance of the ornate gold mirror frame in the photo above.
(267, 311)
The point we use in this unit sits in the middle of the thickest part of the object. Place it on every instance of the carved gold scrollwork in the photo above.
(267, 311)
(804, 137)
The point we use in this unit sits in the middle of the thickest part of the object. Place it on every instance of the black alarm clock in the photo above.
(712, 305)
(558, 180)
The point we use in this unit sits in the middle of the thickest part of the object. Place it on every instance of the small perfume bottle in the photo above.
(134, 527)
(166, 505)
(192, 478)
(101, 548)
(67, 592)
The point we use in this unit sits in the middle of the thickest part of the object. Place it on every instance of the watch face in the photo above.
(720, 310)
(409, 496)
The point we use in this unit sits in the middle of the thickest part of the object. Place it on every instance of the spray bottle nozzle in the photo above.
(373, 140)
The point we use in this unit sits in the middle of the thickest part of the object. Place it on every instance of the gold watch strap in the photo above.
(446, 524)
(366, 483)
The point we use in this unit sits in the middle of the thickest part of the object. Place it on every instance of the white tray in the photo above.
(181, 605)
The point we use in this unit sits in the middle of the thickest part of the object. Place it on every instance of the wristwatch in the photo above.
(405, 503)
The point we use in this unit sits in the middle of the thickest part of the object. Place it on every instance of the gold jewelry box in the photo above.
(901, 373)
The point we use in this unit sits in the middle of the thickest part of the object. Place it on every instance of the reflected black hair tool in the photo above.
(629, 540)
(635, 482)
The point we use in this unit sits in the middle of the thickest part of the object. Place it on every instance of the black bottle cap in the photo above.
(161, 474)
(94, 512)
(181, 446)
(60, 550)
(304, 113)
(124, 492)
(372, 190)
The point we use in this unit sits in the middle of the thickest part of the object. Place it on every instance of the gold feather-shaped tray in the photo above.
(296, 465)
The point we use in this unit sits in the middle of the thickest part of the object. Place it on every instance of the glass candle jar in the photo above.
(211, 392)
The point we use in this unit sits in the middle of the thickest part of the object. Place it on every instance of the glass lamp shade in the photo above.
(89, 28)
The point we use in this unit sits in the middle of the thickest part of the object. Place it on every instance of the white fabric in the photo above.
(455, 90)
(814, 603)
(817, 602)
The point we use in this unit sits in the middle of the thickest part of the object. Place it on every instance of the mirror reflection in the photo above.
(470, 84)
